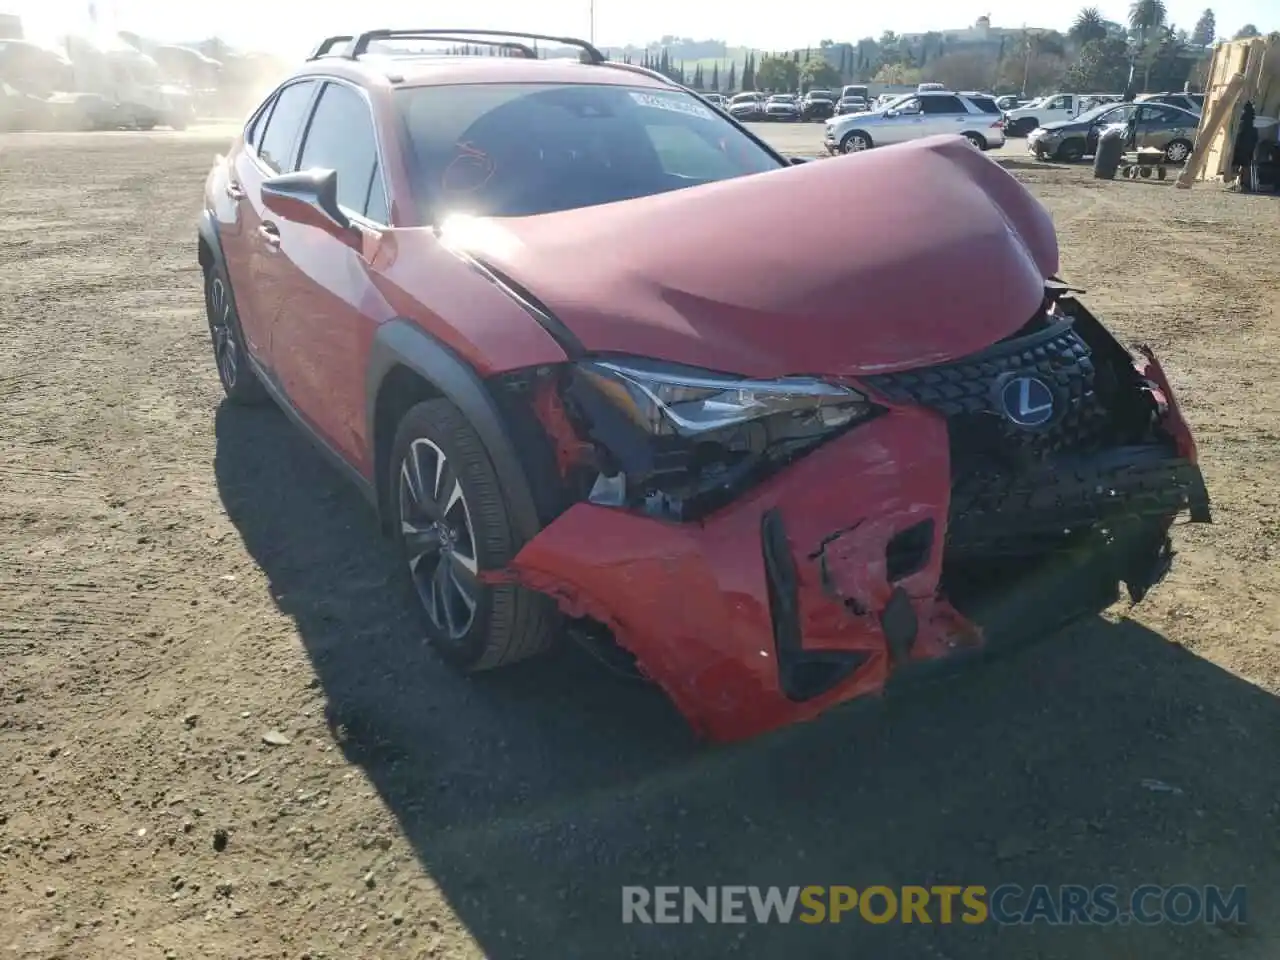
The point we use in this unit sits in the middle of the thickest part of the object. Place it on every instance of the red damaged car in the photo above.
(605, 362)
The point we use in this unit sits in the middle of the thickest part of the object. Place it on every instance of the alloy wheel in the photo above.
(1176, 152)
(439, 540)
(225, 353)
(855, 143)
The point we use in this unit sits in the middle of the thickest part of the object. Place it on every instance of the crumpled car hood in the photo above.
(895, 258)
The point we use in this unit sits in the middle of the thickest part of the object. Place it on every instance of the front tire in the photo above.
(1072, 151)
(855, 141)
(451, 522)
(238, 380)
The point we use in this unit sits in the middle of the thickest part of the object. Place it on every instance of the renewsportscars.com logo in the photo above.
(1008, 904)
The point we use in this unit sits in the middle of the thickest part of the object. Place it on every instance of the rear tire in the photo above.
(451, 522)
(1177, 151)
(976, 140)
(238, 380)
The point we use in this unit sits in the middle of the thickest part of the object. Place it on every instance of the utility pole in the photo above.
(591, 10)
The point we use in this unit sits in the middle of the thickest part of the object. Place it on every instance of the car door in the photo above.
(943, 113)
(274, 153)
(325, 317)
(1145, 126)
(1121, 114)
(904, 122)
(236, 232)
(1159, 125)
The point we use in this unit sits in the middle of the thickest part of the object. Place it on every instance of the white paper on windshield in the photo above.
(672, 105)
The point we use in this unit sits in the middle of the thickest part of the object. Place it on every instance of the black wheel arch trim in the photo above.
(208, 231)
(400, 342)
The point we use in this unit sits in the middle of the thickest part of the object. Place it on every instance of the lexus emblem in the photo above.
(1027, 401)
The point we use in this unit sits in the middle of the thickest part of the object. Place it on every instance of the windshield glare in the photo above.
(513, 150)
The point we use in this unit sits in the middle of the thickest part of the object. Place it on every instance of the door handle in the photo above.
(234, 190)
(270, 234)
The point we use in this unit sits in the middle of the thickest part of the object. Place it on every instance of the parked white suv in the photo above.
(912, 117)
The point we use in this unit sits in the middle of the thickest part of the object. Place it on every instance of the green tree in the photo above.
(777, 73)
(1169, 66)
(1147, 20)
(715, 76)
(961, 71)
(1102, 65)
(1205, 28)
(817, 72)
(749, 72)
(1246, 32)
(1089, 24)
(732, 83)
(897, 74)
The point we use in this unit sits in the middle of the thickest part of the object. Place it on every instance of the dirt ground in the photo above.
(179, 578)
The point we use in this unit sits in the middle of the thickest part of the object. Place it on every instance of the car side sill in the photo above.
(344, 467)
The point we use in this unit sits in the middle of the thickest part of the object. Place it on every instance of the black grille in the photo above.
(1024, 491)
(966, 392)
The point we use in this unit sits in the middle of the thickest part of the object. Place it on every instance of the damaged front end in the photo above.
(766, 549)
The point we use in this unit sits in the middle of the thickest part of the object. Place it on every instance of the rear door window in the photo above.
(279, 142)
(985, 104)
(943, 104)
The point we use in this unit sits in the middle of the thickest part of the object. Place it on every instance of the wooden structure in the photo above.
(1241, 70)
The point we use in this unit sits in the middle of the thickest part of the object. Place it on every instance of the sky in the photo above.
(274, 25)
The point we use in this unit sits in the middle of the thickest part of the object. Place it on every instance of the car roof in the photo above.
(429, 70)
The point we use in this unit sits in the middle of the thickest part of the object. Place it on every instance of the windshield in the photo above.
(513, 150)
(898, 101)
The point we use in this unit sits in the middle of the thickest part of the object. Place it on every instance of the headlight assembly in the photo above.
(678, 441)
(679, 400)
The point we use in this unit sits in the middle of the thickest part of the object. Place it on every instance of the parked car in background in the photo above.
(1008, 102)
(717, 100)
(746, 106)
(984, 101)
(1020, 121)
(915, 116)
(818, 105)
(1187, 101)
(850, 105)
(1154, 125)
(855, 90)
(20, 110)
(782, 107)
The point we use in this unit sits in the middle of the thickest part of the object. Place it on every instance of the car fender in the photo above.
(207, 231)
(401, 342)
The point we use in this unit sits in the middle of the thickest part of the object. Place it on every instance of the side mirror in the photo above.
(310, 197)
(891, 113)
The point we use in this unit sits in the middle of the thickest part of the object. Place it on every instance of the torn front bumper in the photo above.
(826, 580)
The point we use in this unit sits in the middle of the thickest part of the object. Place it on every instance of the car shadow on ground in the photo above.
(1105, 755)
